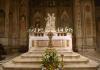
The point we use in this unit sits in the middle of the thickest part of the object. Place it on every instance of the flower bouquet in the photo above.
(50, 59)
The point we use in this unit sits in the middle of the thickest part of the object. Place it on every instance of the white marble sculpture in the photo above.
(50, 22)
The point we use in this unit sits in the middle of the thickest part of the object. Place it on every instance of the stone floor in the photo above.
(8, 57)
(90, 53)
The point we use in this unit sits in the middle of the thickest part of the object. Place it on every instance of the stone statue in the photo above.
(48, 19)
(50, 25)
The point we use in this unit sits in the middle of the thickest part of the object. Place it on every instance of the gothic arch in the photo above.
(65, 21)
(37, 17)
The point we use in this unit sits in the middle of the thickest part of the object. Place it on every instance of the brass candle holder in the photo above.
(50, 35)
(62, 61)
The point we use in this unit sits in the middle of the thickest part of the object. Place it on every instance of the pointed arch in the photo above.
(65, 21)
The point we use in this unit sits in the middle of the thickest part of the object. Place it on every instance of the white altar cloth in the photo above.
(63, 39)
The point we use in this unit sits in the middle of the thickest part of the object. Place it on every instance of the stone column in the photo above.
(23, 21)
(7, 18)
(13, 34)
(4, 23)
(7, 24)
(88, 24)
(77, 24)
(84, 24)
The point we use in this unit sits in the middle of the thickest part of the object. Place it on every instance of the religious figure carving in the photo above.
(50, 25)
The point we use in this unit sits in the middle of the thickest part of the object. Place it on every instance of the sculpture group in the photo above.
(50, 22)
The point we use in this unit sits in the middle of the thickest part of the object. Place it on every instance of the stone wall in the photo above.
(13, 31)
(18, 15)
(3, 23)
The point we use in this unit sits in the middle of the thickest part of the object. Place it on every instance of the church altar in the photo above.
(58, 40)
(61, 38)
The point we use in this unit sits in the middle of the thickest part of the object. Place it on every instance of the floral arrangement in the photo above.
(69, 30)
(50, 59)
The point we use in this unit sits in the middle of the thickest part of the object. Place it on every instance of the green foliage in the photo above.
(50, 59)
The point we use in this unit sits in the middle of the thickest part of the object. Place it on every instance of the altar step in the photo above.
(32, 61)
(41, 52)
(39, 55)
(42, 49)
(91, 65)
(38, 60)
